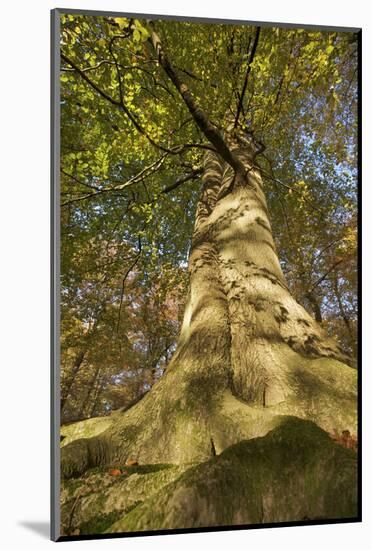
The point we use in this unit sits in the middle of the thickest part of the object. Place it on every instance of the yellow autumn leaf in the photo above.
(122, 22)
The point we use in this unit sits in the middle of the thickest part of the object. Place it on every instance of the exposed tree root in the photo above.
(175, 421)
(294, 473)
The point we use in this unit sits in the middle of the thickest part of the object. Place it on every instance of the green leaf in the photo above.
(136, 36)
(122, 22)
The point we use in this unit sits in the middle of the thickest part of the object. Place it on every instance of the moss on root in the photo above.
(96, 500)
(296, 472)
(98, 524)
(183, 422)
(82, 454)
(270, 467)
(85, 428)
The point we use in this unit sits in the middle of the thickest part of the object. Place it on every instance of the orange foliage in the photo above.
(345, 439)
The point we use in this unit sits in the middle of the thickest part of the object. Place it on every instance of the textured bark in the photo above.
(247, 352)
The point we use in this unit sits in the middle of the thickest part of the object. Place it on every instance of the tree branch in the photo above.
(89, 81)
(151, 168)
(200, 117)
(196, 172)
(80, 182)
(137, 178)
(251, 59)
(316, 258)
(319, 281)
(275, 180)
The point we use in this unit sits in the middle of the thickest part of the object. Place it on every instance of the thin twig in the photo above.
(319, 281)
(287, 187)
(80, 182)
(180, 181)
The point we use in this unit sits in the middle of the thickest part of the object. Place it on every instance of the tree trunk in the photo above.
(66, 389)
(315, 305)
(343, 314)
(247, 352)
(86, 404)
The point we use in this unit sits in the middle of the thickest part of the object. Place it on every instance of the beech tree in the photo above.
(178, 140)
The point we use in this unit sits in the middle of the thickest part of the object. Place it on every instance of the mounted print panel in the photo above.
(205, 213)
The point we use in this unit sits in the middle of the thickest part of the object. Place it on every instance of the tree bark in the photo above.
(65, 392)
(247, 352)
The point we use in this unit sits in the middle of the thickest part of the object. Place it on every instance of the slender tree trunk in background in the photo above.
(97, 394)
(315, 306)
(66, 388)
(247, 351)
(85, 404)
(343, 313)
(81, 355)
